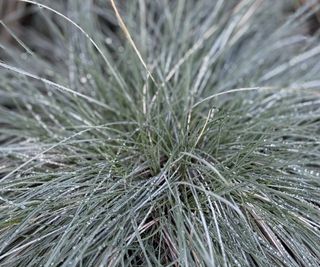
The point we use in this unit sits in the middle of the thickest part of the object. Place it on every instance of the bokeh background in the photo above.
(21, 17)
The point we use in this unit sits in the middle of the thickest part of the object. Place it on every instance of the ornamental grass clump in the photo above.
(161, 133)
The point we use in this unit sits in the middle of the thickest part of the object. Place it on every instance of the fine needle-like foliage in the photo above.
(161, 133)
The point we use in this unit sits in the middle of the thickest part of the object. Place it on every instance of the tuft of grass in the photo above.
(161, 133)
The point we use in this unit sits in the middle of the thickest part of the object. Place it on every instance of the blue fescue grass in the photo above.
(189, 135)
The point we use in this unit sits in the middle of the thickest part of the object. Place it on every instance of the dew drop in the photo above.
(28, 106)
(108, 41)
(83, 79)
